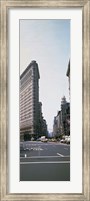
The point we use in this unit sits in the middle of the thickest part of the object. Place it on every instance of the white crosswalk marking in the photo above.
(60, 154)
(37, 149)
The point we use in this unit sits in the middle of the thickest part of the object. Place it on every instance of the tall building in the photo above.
(42, 126)
(57, 125)
(29, 101)
(65, 116)
(61, 124)
(68, 75)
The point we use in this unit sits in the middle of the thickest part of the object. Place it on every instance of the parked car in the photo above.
(54, 140)
(68, 140)
(32, 139)
(62, 141)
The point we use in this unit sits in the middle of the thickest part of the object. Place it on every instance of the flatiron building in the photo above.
(29, 101)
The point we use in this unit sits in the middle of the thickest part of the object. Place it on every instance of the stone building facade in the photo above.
(68, 75)
(65, 117)
(30, 112)
(61, 125)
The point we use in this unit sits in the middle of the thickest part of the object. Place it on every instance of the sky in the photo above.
(48, 43)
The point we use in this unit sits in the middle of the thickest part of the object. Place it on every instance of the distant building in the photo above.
(57, 125)
(44, 128)
(40, 119)
(61, 125)
(30, 107)
(65, 116)
(42, 123)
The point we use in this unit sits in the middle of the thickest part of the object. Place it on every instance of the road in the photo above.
(44, 161)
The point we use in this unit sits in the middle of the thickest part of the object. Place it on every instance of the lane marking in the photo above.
(25, 163)
(37, 149)
(66, 148)
(46, 144)
(60, 155)
(47, 156)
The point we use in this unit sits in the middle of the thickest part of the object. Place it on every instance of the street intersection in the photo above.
(44, 161)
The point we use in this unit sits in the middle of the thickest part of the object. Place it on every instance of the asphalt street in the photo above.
(44, 161)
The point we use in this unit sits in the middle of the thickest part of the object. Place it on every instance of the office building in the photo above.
(29, 102)
(68, 75)
(61, 125)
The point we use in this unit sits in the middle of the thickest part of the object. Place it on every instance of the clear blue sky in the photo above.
(47, 42)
